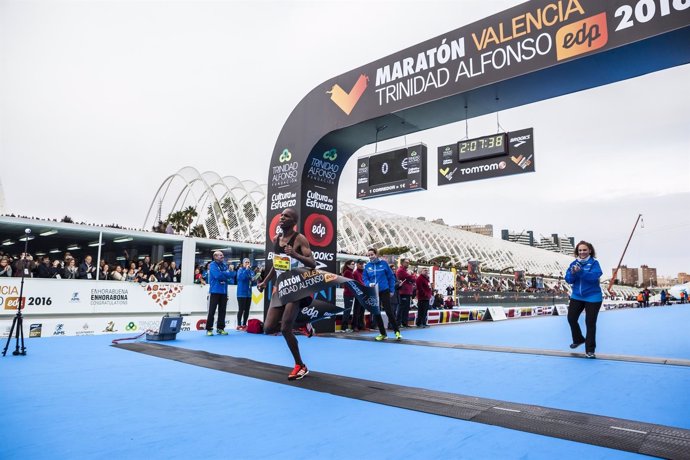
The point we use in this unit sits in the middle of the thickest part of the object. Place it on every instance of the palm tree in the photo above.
(188, 215)
(177, 220)
(198, 230)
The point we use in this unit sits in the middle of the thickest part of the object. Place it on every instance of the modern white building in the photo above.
(232, 209)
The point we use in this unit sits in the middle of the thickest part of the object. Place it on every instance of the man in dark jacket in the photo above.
(44, 269)
(348, 297)
(406, 283)
(358, 315)
(423, 296)
(24, 266)
(87, 271)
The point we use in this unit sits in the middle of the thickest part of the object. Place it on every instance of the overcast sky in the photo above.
(100, 101)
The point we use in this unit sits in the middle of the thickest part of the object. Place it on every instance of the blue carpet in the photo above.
(77, 397)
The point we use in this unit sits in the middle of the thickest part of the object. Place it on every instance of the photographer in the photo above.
(25, 265)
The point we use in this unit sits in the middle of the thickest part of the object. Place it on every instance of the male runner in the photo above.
(291, 249)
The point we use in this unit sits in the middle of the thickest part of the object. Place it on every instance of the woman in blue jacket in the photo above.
(245, 276)
(583, 275)
(378, 273)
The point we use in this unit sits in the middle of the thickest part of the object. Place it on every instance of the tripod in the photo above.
(18, 320)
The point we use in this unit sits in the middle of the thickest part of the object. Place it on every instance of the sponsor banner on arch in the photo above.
(517, 157)
(320, 226)
(320, 207)
(526, 38)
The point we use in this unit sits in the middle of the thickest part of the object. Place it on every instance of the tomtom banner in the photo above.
(518, 159)
(299, 283)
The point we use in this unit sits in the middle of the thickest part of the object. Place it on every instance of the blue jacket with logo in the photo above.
(218, 278)
(585, 282)
(244, 282)
(379, 272)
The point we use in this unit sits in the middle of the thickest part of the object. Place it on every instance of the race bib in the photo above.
(282, 262)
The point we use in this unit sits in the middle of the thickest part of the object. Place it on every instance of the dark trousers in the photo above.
(422, 311)
(404, 310)
(591, 310)
(346, 314)
(385, 302)
(244, 304)
(220, 302)
(358, 316)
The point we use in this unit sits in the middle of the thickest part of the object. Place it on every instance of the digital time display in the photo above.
(483, 147)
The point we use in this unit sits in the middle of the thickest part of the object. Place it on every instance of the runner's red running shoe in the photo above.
(307, 330)
(298, 372)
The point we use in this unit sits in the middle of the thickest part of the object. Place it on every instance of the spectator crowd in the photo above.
(68, 267)
(139, 271)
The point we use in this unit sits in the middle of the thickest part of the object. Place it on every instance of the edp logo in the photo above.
(310, 312)
(318, 230)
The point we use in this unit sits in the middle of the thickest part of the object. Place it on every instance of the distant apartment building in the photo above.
(554, 243)
(642, 276)
(626, 275)
(486, 230)
(647, 276)
(547, 243)
(683, 278)
(566, 244)
(525, 237)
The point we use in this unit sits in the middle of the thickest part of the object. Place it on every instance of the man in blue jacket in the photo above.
(245, 275)
(378, 273)
(218, 278)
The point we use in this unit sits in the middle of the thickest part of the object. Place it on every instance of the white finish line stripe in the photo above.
(628, 429)
(506, 409)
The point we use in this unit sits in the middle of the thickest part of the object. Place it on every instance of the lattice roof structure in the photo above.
(227, 207)
(360, 228)
(232, 209)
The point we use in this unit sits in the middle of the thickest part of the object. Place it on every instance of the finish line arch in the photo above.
(534, 51)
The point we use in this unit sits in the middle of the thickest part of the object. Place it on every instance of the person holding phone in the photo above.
(583, 275)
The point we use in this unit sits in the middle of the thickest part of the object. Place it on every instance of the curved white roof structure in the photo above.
(232, 209)
(360, 228)
(227, 207)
